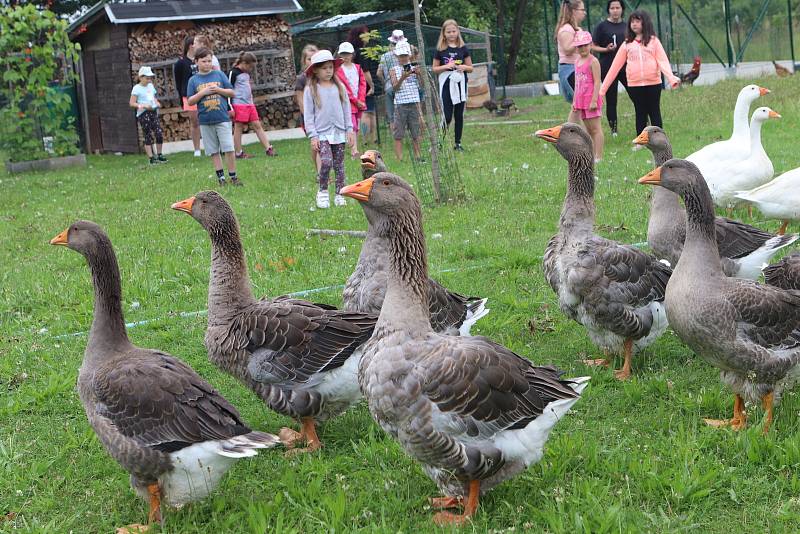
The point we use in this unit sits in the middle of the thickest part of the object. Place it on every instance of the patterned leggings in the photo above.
(151, 125)
(331, 157)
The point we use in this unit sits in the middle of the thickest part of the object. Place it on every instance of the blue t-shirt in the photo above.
(212, 109)
(145, 96)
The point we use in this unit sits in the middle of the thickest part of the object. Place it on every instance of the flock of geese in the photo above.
(469, 410)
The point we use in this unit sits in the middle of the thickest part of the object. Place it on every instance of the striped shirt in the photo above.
(408, 92)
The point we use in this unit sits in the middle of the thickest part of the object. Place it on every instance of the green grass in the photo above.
(632, 457)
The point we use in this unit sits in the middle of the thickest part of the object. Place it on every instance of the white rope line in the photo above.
(201, 313)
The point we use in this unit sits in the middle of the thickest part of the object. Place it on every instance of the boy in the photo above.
(209, 89)
(406, 99)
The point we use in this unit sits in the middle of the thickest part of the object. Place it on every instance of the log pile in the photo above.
(160, 45)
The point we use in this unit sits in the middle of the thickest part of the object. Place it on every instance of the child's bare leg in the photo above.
(596, 133)
(398, 149)
(575, 116)
(261, 134)
(158, 147)
(237, 137)
(369, 122)
(415, 142)
(195, 127)
(217, 161)
(315, 159)
(230, 161)
(148, 149)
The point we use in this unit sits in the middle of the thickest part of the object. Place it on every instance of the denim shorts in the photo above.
(565, 70)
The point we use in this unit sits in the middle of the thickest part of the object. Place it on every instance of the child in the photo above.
(586, 101)
(646, 62)
(204, 41)
(184, 69)
(328, 122)
(299, 89)
(210, 90)
(244, 111)
(143, 98)
(452, 63)
(352, 77)
(406, 99)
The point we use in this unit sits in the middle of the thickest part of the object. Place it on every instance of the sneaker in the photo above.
(153, 161)
(614, 133)
(236, 182)
(323, 200)
(197, 154)
(458, 148)
(339, 200)
(271, 151)
(161, 158)
(243, 155)
(222, 181)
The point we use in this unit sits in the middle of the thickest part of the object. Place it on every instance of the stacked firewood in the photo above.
(160, 45)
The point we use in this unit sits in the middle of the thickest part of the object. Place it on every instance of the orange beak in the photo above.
(652, 178)
(774, 115)
(763, 91)
(369, 160)
(359, 190)
(643, 139)
(184, 205)
(61, 239)
(550, 135)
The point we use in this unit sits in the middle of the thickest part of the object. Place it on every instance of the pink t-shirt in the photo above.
(563, 57)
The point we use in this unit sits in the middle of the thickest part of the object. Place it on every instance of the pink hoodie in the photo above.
(645, 65)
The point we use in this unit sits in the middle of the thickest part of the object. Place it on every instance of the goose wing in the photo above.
(736, 239)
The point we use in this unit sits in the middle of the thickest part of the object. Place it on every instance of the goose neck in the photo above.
(229, 287)
(108, 324)
(741, 125)
(700, 252)
(578, 212)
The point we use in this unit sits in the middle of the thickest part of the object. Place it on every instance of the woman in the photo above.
(452, 63)
(646, 62)
(569, 20)
(608, 36)
(184, 69)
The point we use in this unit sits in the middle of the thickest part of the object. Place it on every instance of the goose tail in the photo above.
(476, 309)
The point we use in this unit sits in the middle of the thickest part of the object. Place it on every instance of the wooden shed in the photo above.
(117, 38)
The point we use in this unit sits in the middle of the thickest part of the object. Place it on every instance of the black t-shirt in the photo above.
(603, 35)
(183, 69)
(371, 66)
(452, 54)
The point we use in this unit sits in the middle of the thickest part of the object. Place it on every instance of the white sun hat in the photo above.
(346, 48)
(402, 49)
(146, 71)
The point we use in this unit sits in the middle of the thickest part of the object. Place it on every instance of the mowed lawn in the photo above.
(631, 457)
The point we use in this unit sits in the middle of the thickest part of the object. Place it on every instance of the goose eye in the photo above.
(386, 182)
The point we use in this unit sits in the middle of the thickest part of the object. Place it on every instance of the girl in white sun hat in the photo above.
(329, 124)
(143, 99)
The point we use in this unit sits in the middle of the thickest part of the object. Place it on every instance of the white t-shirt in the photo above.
(351, 73)
(145, 96)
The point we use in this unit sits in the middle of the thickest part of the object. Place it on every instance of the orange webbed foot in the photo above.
(136, 528)
(449, 519)
(600, 362)
(445, 503)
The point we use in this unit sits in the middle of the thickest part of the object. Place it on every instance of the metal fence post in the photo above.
(672, 29)
(658, 20)
(547, 44)
(727, 8)
(791, 32)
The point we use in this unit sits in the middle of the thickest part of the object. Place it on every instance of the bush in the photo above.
(37, 58)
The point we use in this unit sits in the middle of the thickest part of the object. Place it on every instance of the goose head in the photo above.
(678, 175)
(85, 237)
(653, 138)
(763, 114)
(570, 140)
(384, 193)
(750, 93)
(372, 163)
(209, 209)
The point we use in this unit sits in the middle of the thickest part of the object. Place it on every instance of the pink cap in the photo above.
(582, 38)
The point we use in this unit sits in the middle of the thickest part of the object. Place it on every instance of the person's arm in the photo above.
(611, 77)
(664, 65)
(298, 97)
(195, 96)
(565, 39)
(308, 114)
(466, 66)
(370, 83)
(180, 81)
(597, 36)
(381, 71)
(350, 95)
(397, 82)
(437, 66)
(594, 104)
(133, 102)
(362, 88)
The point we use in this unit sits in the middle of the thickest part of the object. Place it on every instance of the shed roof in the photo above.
(368, 18)
(175, 10)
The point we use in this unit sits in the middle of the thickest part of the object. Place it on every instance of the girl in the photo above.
(352, 77)
(328, 122)
(359, 37)
(569, 20)
(143, 99)
(243, 109)
(204, 41)
(587, 91)
(184, 69)
(646, 61)
(452, 62)
(299, 87)
(608, 36)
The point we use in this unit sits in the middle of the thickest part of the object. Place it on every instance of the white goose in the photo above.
(743, 171)
(778, 199)
(739, 141)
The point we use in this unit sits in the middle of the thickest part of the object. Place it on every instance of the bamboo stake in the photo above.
(433, 127)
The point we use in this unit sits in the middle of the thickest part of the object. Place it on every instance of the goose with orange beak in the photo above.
(750, 331)
(616, 291)
(450, 312)
(743, 249)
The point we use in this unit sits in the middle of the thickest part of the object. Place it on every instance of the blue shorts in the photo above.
(370, 104)
(566, 72)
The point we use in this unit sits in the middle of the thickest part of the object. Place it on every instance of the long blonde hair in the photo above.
(205, 41)
(313, 81)
(308, 50)
(442, 44)
(567, 14)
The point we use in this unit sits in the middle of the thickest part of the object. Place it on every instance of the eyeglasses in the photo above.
(579, 9)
